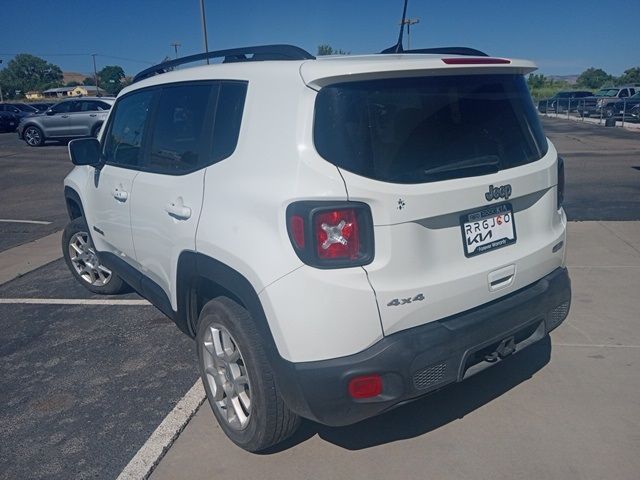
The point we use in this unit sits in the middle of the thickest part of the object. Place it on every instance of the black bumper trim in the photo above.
(422, 359)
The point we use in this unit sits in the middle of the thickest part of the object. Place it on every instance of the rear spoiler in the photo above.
(327, 71)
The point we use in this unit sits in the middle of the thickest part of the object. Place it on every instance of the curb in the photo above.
(24, 258)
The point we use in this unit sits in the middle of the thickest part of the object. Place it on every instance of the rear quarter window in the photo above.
(418, 130)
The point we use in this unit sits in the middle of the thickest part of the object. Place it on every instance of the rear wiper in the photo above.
(483, 161)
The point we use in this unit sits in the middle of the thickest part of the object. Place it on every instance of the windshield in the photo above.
(26, 108)
(607, 92)
(418, 130)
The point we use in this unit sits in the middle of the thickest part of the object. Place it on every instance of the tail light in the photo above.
(331, 234)
(560, 187)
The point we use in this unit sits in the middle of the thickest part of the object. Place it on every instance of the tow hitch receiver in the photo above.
(505, 348)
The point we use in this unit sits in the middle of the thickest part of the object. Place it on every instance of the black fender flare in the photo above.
(71, 194)
(193, 266)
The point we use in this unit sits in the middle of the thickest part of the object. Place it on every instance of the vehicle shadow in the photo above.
(435, 410)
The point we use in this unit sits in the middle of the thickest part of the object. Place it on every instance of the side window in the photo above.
(180, 132)
(633, 91)
(123, 141)
(228, 119)
(623, 93)
(62, 107)
(89, 106)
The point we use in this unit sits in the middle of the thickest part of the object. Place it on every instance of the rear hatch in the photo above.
(459, 176)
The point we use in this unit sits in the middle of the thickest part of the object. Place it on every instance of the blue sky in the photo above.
(562, 37)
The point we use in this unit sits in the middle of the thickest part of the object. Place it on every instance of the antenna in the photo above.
(397, 48)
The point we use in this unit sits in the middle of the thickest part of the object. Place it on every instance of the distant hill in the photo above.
(572, 79)
(74, 77)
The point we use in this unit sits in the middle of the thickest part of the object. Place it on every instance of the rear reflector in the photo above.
(367, 386)
(297, 230)
(475, 61)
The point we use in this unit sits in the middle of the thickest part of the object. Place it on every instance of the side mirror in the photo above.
(85, 151)
(50, 112)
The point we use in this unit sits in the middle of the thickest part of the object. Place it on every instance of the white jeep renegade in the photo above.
(340, 235)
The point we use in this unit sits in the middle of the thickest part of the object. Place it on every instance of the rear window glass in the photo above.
(417, 130)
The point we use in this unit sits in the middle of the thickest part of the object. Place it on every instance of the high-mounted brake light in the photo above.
(475, 61)
(331, 234)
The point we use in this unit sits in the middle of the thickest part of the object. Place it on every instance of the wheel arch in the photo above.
(74, 203)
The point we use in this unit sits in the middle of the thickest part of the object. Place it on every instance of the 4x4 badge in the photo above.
(494, 193)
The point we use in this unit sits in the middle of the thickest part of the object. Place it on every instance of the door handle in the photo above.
(93, 114)
(65, 116)
(178, 210)
(120, 195)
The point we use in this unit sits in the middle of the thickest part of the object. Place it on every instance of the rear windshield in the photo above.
(424, 129)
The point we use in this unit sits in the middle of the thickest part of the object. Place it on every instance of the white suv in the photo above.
(340, 235)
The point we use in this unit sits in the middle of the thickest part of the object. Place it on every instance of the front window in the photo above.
(607, 92)
(425, 129)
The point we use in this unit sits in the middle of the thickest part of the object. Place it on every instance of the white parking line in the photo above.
(71, 301)
(36, 222)
(587, 345)
(150, 454)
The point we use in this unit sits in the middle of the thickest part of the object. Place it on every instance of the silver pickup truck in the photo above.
(602, 101)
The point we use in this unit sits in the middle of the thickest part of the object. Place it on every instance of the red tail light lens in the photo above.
(338, 234)
(331, 234)
(365, 387)
(560, 200)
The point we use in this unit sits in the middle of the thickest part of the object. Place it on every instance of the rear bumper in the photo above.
(422, 359)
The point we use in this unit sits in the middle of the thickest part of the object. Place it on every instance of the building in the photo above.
(78, 91)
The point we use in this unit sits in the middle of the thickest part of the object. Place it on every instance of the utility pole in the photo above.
(204, 28)
(95, 75)
(175, 47)
(408, 22)
(1, 99)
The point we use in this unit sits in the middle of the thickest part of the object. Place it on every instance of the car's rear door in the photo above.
(82, 118)
(169, 188)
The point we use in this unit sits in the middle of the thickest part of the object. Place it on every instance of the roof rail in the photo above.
(243, 54)
(444, 50)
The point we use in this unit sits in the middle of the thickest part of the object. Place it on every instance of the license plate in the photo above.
(488, 229)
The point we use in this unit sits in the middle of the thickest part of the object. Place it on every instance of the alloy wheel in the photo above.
(32, 136)
(85, 261)
(226, 375)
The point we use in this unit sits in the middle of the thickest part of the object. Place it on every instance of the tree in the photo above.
(25, 73)
(111, 79)
(89, 81)
(594, 78)
(629, 76)
(326, 49)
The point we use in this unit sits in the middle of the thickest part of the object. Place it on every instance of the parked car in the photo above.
(8, 122)
(562, 101)
(340, 235)
(42, 107)
(18, 109)
(628, 107)
(68, 119)
(601, 103)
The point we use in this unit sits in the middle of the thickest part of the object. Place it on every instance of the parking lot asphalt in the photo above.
(82, 386)
(566, 408)
(602, 169)
(31, 189)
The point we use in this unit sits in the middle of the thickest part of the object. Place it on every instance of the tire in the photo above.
(609, 112)
(232, 360)
(79, 254)
(33, 136)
